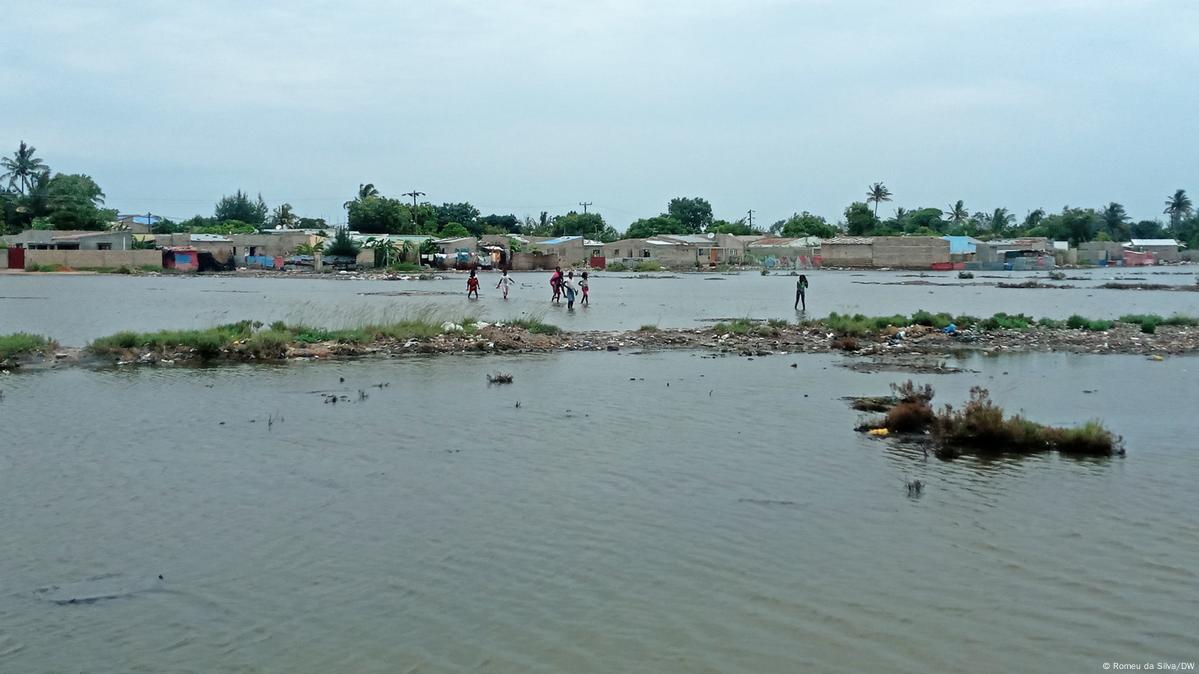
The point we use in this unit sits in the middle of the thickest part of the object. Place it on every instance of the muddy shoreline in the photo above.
(915, 348)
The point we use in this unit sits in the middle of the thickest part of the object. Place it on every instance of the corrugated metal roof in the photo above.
(559, 240)
(210, 238)
(1154, 242)
(850, 240)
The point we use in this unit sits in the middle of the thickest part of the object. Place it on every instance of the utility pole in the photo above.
(585, 204)
(751, 218)
(414, 194)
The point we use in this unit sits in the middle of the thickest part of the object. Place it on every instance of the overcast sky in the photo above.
(527, 106)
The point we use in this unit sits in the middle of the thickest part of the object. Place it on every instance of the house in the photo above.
(1100, 252)
(138, 224)
(570, 250)
(664, 250)
(712, 249)
(181, 258)
(52, 239)
(1163, 250)
(961, 248)
(1026, 254)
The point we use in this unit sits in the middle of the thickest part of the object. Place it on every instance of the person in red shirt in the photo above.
(472, 285)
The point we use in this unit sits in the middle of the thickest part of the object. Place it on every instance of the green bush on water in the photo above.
(20, 343)
(535, 326)
(205, 341)
(1077, 322)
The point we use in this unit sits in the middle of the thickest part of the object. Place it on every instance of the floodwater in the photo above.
(77, 309)
(664, 512)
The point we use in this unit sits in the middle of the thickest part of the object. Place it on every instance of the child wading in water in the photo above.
(505, 281)
(568, 286)
(801, 287)
(556, 284)
(472, 285)
(584, 286)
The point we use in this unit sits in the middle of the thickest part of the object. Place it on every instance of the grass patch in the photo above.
(615, 266)
(740, 326)
(1005, 321)
(1077, 322)
(46, 268)
(648, 265)
(777, 323)
(648, 327)
(932, 320)
(536, 326)
(19, 343)
(858, 325)
(206, 342)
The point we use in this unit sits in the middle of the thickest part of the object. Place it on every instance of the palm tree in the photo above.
(958, 213)
(1178, 207)
(23, 169)
(878, 192)
(1000, 220)
(365, 191)
(1115, 220)
(1034, 218)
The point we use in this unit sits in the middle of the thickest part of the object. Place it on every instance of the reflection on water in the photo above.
(75, 309)
(731, 521)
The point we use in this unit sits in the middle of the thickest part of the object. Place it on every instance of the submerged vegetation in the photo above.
(980, 426)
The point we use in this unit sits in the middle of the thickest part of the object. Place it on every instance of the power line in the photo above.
(585, 204)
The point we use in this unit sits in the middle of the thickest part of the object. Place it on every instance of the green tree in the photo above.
(283, 216)
(380, 215)
(738, 228)
(804, 224)
(859, 220)
(877, 193)
(924, 221)
(22, 169)
(958, 214)
(1000, 221)
(497, 224)
(1148, 229)
(454, 230)
(1115, 221)
(1178, 206)
(75, 202)
(365, 191)
(588, 225)
(342, 245)
(659, 224)
(311, 223)
(462, 213)
(694, 213)
(1077, 225)
(1033, 219)
(240, 207)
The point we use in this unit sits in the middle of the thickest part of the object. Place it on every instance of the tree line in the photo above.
(36, 197)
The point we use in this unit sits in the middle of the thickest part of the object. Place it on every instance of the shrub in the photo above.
(981, 425)
(269, 343)
(1077, 322)
(1005, 321)
(777, 323)
(909, 417)
(648, 265)
(845, 343)
(931, 320)
(648, 328)
(615, 266)
(19, 343)
(536, 326)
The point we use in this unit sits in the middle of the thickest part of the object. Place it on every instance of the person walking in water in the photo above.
(505, 281)
(568, 286)
(472, 285)
(801, 287)
(556, 284)
(584, 286)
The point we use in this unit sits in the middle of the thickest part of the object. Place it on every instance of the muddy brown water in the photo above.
(731, 521)
(76, 309)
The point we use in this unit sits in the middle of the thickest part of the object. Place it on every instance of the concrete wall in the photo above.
(1162, 253)
(94, 259)
(530, 261)
(847, 254)
(1094, 252)
(283, 243)
(3, 258)
(915, 252)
